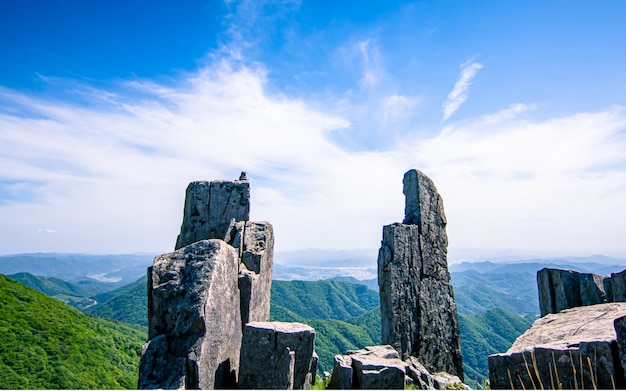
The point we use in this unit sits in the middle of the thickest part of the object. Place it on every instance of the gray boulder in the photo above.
(573, 349)
(418, 310)
(277, 355)
(210, 207)
(194, 318)
(380, 367)
(341, 378)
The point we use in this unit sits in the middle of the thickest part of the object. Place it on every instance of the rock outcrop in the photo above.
(562, 289)
(576, 348)
(194, 318)
(210, 207)
(418, 310)
(254, 242)
(380, 367)
(620, 331)
(201, 296)
(277, 355)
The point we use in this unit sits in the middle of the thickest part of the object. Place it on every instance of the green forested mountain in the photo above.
(51, 286)
(337, 310)
(346, 315)
(332, 336)
(482, 335)
(46, 344)
(325, 299)
(513, 290)
(128, 304)
(72, 294)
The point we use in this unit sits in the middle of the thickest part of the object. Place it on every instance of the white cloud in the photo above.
(112, 178)
(459, 93)
(512, 182)
(398, 107)
(119, 171)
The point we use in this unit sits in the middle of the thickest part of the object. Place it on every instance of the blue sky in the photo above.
(515, 109)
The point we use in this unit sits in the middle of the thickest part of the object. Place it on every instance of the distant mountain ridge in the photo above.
(116, 270)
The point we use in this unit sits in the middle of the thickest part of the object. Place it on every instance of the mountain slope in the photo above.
(128, 304)
(112, 270)
(486, 334)
(75, 295)
(515, 291)
(47, 344)
(324, 299)
(346, 315)
(332, 336)
(490, 332)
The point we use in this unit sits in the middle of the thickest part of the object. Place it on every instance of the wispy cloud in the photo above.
(126, 163)
(548, 184)
(459, 93)
(111, 176)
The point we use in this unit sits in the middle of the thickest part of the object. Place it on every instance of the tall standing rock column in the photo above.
(418, 310)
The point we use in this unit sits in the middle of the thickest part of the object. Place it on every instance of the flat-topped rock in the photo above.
(580, 342)
(210, 207)
(277, 355)
(572, 326)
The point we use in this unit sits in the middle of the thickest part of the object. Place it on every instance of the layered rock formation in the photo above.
(578, 348)
(380, 367)
(277, 355)
(562, 289)
(418, 310)
(201, 296)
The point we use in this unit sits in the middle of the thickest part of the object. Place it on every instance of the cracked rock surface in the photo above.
(418, 309)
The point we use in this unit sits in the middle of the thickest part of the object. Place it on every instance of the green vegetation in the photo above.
(486, 334)
(72, 294)
(47, 344)
(491, 332)
(476, 292)
(346, 315)
(325, 299)
(128, 304)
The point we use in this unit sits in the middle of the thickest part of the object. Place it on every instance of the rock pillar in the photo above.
(201, 296)
(194, 319)
(418, 310)
(210, 207)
